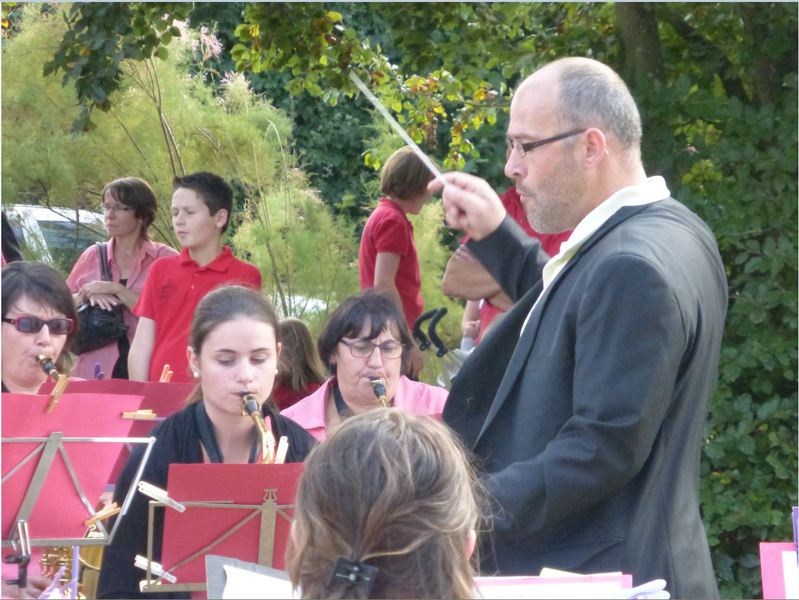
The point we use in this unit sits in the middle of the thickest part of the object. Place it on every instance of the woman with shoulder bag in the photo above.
(129, 205)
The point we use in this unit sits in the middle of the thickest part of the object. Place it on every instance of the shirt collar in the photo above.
(652, 190)
(149, 248)
(316, 415)
(394, 206)
(220, 263)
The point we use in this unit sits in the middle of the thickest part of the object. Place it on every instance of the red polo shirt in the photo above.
(389, 230)
(174, 287)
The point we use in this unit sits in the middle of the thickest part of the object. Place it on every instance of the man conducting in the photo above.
(587, 403)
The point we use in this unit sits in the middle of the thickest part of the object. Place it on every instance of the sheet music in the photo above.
(790, 570)
(249, 585)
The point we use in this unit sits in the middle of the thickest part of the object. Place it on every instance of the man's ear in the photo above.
(596, 146)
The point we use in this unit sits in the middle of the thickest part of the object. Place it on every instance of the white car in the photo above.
(55, 235)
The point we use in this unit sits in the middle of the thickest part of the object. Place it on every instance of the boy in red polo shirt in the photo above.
(201, 207)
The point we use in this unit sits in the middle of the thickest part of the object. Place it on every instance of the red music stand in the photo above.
(163, 399)
(240, 511)
(99, 386)
(55, 465)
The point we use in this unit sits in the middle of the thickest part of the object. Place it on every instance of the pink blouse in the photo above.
(415, 397)
(86, 269)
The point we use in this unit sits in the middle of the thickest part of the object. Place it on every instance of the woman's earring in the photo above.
(196, 373)
(277, 371)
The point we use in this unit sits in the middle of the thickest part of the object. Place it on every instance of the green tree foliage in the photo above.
(311, 258)
(113, 33)
(717, 87)
(164, 121)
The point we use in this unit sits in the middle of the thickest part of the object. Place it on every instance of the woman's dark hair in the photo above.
(404, 176)
(41, 284)
(388, 490)
(212, 190)
(136, 194)
(300, 364)
(372, 309)
(227, 304)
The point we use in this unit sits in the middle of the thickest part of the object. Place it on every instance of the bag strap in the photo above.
(105, 271)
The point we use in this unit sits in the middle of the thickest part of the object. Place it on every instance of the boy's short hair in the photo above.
(404, 176)
(212, 189)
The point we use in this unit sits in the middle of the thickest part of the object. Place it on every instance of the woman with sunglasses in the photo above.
(365, 339)
(129, 206)
(38, 319)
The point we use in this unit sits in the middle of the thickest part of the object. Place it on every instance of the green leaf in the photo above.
(161, 52)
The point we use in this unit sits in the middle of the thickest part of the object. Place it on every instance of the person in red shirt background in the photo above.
(387, 259)
(466, 278)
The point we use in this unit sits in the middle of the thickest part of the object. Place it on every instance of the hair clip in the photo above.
(355, 573)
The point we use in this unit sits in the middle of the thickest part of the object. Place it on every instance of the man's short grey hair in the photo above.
(593, 95)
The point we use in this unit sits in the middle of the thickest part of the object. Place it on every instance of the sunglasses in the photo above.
(59, 326)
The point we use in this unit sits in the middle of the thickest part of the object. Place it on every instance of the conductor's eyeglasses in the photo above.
(59, 326)
(522, 148)
(364, 348)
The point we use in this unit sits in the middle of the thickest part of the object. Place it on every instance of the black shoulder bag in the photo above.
(98, 327)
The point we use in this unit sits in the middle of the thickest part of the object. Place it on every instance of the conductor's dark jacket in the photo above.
(590, 426)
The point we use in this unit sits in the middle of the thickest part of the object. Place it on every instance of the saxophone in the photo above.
(48, 366)
(251, 408)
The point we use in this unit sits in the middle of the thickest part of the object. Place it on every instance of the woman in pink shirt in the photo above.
(366, 339)
(129, 205)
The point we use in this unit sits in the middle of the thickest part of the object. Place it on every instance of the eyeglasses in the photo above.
(522, 148)
(60, 326)
(107, 208)
(364, 348)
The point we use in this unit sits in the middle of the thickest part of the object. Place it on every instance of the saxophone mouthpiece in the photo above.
(249, 404)
(48, 366)
(379, 388)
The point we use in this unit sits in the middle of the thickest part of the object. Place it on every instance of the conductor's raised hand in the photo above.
(469, 204)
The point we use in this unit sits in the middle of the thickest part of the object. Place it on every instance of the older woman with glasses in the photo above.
(366, 346)
(38, 320)
(129, 205)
